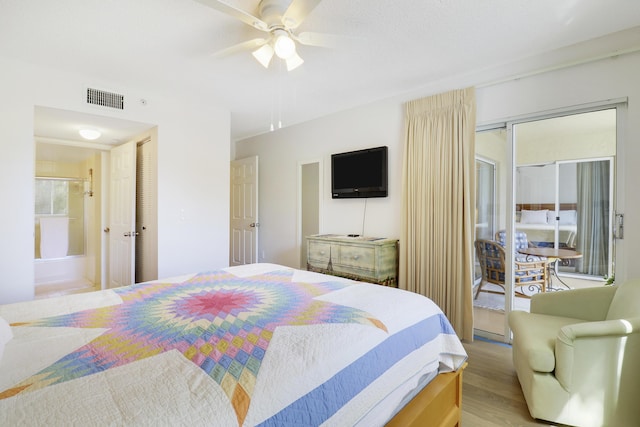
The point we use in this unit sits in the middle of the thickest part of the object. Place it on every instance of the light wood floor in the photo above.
(491, 393)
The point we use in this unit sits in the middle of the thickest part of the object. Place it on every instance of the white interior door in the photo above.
(243, 237)
(122, 215)
(146, 240)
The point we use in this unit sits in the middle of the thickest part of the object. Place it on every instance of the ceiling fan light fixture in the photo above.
(263, 55)
(89, 134)
(284, 45)
(294, 62)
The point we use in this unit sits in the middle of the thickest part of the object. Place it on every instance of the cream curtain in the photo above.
(438, 204)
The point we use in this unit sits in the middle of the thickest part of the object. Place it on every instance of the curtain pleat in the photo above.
(438, 204)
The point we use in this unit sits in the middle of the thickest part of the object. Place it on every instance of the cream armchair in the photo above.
(577, 355)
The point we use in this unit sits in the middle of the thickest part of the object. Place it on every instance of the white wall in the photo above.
(279, 153)
(193, 170)
(537, 184)
(382, 124)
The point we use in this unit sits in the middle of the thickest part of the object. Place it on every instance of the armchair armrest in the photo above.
(614, 327)
(588, 303)
(597, 348)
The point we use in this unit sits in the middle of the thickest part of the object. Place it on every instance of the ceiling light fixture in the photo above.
(294, 62)
(281, 45)
(284, 46)
(89, 134)
(263, 55)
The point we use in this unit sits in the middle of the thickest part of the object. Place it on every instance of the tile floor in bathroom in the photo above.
(64, 288)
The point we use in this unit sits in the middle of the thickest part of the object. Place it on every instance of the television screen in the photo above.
(361, 173)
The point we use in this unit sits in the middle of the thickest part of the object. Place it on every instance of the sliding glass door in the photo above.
(545, 188)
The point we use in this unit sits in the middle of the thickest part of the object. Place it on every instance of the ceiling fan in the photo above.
(279, 19)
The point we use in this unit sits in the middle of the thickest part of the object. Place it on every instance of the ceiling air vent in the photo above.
(105, 99)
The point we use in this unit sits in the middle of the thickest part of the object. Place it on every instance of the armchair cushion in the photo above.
(626, 301)
(520, 237)
(585, 304)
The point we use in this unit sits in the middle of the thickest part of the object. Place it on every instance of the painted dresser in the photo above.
(367, 259)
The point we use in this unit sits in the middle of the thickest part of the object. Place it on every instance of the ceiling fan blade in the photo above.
(309, 38)
(241, 47)
(297, 11)
(240, 14)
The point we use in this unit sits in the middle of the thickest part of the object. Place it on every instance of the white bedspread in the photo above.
(253, 345)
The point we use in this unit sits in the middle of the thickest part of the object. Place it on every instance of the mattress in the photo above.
(260, 344)
(544, 234)
(546, 227)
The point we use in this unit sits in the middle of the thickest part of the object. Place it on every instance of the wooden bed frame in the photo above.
(548, 206)
(439, 404)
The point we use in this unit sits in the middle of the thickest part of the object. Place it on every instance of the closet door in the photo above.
(146, 213)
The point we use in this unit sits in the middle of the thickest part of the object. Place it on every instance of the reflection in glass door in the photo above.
(594, 237)
(564, 194)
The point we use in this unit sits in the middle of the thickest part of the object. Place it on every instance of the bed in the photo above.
(538, 221)
(260, 344)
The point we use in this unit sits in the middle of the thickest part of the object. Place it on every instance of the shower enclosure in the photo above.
(60, 234)
(61, 198)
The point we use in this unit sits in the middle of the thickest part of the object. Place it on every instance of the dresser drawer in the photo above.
(358, 257)
(318, 252)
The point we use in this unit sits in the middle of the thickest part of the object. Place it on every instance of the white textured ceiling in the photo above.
(392, 48)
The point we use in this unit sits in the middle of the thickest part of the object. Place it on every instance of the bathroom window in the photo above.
(52, 197)
(58, 198)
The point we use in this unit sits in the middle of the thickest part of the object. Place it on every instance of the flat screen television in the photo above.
(361, 173)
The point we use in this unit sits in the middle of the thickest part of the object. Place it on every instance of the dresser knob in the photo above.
(321, 252)
(356, 256)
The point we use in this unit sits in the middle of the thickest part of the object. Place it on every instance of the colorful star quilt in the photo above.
(220, 322)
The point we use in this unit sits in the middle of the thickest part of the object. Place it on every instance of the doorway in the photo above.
(244, 217)
(309, 204)
(62, 153)
(146, 211)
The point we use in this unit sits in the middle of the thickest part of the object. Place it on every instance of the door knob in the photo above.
(254, 224)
